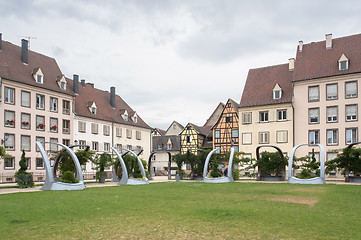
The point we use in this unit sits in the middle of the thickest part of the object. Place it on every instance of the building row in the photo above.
(39, 103)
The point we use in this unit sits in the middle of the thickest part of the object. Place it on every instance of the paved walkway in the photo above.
(156, 179)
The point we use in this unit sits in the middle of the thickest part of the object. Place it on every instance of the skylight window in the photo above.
(343, 63)
(277, 92)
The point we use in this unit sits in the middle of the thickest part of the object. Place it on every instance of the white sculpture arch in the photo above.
(315, 180)
(228, 178)
(125, 179)
(50, 182)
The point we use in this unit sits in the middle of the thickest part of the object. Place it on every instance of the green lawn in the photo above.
(185, 211)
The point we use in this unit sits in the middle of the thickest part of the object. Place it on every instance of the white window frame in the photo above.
(330, 87)
(26, 143)
(282, 115)
(82, 126)
(351, 135)
(106, 130)
(39, 163)
(332, 114)
(234, 133)
(282, 136)
(40, 139)
(82, 144)
(350, 89)
(263, 137)
(246, 117)
(54, 125)
(217, 134)
(9, 143)
(9, 118)
(9, 95)
(25, 120)
(95, 146)
(24, 101)
(54, 147)
(275, 96)
(351, 116)
(263, 116)
(40, 125)
(332, 136)
(246, 138)
(12, 161)
(66, 126)
(313, 97)
(314, 136)
(106, 147)
(312, 116)
(138, 135)
(94, 128)
(119, 132)
(53, 104)
(66, 107)
(129, 133)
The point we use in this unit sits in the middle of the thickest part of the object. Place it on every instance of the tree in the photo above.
(215, 172)
(23, 178)
(348, 157)
(102, 161)
(309, 165)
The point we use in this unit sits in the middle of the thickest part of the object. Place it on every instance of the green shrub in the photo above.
(235, 174)
(215, 172)
(68, 177)
(24, 179)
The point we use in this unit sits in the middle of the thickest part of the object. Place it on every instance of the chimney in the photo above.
(1, 41)
(83, 82)
(112, 97)
(91, 84)
(329, 41)
(24, 51)
(291, 64)
(300, 46)
(76, 84)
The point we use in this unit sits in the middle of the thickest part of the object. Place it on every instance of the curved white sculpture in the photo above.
(228, 178)
(315, 180)
(125, 179)
(50, 182)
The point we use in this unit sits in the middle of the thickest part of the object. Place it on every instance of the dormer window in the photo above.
(92, 108)
(61, 82)
(277, 92)
(125, 115)
(135, 118)
(38, 75)
(343, 63)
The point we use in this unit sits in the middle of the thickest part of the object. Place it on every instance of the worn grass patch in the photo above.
(185, 211)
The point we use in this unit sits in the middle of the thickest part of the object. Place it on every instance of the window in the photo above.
(228, 105)
(351, 135)
(264, 137)
(138, 135)
(25, 121)
(249, 156)
(317, 156)
(246, 138)
(94, 127)
(41, 140)
(28, 162)
(54, 125)
(9, 118)
(82, 126)
(25, 143)
(129, 147)
(53, 146)
(66, 126)
(313, 93)
(66, 107)
(351, 112)
(236, 148)
(129, 133)
(53, 104)
(277, 94)
(95, 146)
(169, 146)
(119, 132)
(235, 133)
(246, 118)
(135, 118)
(314, 137)
(40, 101)
(39, 163)
(139, 149)
(313, 115)
(106, 130)
(189, 139)
(351, 89)
(229, 119)
(217, 134)
(66, 142)
(331, 90)
(282, 136)
(119, 147)
(63, 85)
(332, 137)
(331, 114)
(9, 141)
(25, 99)
(40, 123)
(331, 156)
(9, 163)
(125, 116)
(263, 116)
(9, 95)
(106, 147)
(282, 115)
(82, 144)
(343, 65)
(39, 79)
(93, 110)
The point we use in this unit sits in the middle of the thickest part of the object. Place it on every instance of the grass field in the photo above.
(185, 211)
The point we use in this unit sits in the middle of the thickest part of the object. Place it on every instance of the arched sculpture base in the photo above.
(64, 186)
(132, 181)
(315, 180)
(216, 180)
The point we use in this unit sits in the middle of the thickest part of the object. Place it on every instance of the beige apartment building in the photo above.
(36, 105)
(326, 94)
(265, 112)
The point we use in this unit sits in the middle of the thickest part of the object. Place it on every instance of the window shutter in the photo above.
(351, 89)
(313, 93)
(332, 91)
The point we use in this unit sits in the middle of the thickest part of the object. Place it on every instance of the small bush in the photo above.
(24, 179)
(235, 174)
(68, 177)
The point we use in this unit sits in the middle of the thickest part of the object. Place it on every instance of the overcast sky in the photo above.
(173, 60)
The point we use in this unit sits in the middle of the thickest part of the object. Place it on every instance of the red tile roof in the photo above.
(316, 61)
(260, 82)
(104, 109)
(12, 68)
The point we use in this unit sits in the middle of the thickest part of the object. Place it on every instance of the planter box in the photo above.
(355, 179)
(271, 178)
